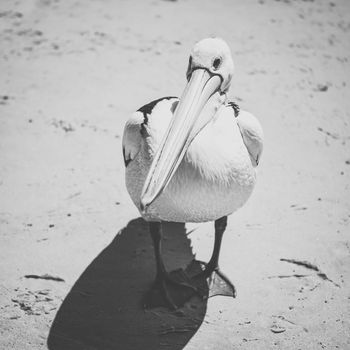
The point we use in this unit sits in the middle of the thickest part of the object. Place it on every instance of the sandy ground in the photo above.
(71, 74)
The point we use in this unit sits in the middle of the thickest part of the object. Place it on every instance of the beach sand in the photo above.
(72, 72)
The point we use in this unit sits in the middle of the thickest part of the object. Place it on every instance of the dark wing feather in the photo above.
(235, 107)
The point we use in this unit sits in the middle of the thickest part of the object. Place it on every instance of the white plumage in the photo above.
(217, 174)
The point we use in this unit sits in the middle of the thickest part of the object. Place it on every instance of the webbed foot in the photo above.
(218, 282)
(171, 290)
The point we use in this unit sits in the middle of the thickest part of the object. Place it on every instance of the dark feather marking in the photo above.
(126, 161)
(148, 108)
(235, 107)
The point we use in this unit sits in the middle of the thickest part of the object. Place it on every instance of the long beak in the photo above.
(184, 126)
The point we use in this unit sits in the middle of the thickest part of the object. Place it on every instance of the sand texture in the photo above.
(75, 257)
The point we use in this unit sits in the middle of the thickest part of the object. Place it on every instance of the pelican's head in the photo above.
(209, 74)
(213, 55)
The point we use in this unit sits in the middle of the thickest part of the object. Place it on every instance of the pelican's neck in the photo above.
(210, 111)
(215, 102)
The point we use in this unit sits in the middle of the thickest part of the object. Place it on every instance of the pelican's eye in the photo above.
(216, 63)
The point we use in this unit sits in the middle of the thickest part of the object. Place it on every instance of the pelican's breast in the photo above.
(215, 178)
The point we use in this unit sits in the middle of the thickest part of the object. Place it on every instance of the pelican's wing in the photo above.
(135, 127)
(132, 137)
(252, 134)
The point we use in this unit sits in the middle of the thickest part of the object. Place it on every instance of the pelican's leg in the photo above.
(164, 281)
(219, 284)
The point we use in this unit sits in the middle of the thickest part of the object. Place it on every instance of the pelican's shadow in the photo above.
(104, 309)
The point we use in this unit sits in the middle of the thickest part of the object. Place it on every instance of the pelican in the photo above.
(193, 159)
